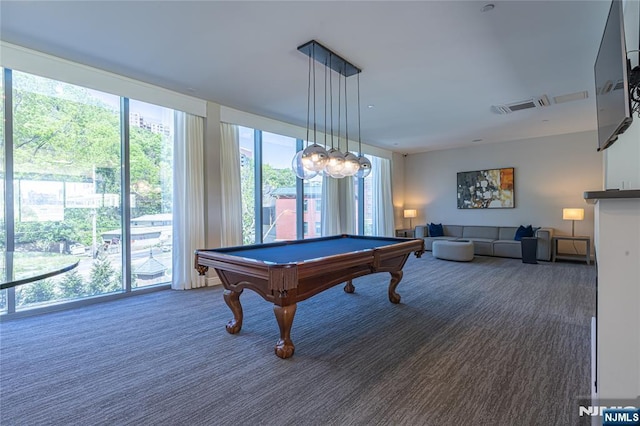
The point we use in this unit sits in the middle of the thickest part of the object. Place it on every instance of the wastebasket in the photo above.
(529, 249)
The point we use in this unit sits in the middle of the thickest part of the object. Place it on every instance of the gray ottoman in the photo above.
(462, 251)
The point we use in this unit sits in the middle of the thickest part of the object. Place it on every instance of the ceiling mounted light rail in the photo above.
(315, 158)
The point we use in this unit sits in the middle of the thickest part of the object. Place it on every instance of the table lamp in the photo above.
(573, 215)
(410, 214)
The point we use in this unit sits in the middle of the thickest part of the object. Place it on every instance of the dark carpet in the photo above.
(491, 342)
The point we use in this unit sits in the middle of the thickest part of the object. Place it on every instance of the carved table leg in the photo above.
(396, 277)
(232, 298)
(284, 316)
(349, 288)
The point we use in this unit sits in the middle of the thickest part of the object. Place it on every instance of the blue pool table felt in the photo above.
(305, 251)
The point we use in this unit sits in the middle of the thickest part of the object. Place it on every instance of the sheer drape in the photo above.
(188, 199)
(231, 231)
(338, 206)
(383, 220)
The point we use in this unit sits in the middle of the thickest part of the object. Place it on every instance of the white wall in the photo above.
(618, 229)
(550, 173)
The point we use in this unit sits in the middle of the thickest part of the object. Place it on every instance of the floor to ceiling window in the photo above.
(278, 188)
(367, 202)
(312, 191)
(247, 184)
(3, 293)
(151, 165)
(67, 184)
(282, 208)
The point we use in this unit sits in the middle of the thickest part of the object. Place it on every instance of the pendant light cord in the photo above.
(331, 100)
(308, 101)
(339, 108)
(346, 117)
(359, 135)
(326, 66)
(315, 138)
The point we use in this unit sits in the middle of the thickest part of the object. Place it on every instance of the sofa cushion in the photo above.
(489, 232)
(523, 232)
(481, 246)
(453, 230)
(507, 248)
(507, 232)
(435, 230)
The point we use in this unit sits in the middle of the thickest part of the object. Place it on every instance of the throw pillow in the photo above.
(435, 230)
(523, 232)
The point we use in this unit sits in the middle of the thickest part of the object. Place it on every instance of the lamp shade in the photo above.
(572, 214)
(410, 213)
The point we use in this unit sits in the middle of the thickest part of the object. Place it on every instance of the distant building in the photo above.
(136, 120)
(150, 269)
(282, 213)
(144, 228)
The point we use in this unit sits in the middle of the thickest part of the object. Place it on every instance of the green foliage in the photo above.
(37, 292)
(247, 185)
(103, 277)
(73, 286)
(277, 178)
(44, 232)
(64, 132)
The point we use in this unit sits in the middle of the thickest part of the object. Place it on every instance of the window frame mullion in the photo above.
(125, 193)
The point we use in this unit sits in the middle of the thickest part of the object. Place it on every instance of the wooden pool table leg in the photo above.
(349, 288)
(284, 316)
(396, 277)
(232, 298)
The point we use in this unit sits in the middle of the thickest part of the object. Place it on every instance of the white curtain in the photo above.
(338, 206)
(330, 223)
(188, 199)
(231, 231)
(383, 220)
(348, 208)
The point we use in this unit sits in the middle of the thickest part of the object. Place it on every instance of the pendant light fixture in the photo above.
(363, 162)
(314, 158)
(351, 164)
(335, 164)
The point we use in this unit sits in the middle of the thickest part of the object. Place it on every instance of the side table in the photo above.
(571, 256)
(529, 249)
(404, 233)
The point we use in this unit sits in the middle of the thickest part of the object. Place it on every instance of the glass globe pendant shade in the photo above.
(336, 175)
(299, 169)
(365, 167)
(351, 165)
(314, 157)
(335, 162)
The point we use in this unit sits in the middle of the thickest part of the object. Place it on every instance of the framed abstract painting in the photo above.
(486, 189)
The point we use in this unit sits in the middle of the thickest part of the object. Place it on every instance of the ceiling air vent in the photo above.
(571, 97)
(538, 102)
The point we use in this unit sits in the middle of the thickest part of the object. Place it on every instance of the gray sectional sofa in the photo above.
(490, 240)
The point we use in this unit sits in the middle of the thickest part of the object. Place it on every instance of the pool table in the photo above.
(285, 273)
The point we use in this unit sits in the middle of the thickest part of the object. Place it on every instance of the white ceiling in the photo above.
(432, 69)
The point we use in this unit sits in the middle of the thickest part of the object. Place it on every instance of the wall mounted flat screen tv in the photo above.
(612, 80)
